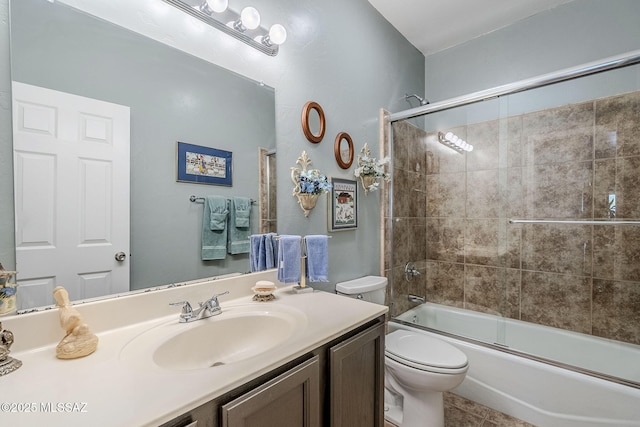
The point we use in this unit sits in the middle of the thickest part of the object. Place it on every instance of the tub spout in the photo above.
(416, 299)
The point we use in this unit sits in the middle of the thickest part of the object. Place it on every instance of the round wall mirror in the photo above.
(343, 150)
(313, 124)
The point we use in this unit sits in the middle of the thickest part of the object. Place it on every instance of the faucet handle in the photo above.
(187, 311)
(219, 295)
(213, 302)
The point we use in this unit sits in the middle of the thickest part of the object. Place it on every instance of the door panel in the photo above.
(72, 194)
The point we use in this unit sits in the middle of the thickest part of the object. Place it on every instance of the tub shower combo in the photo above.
(522, 230)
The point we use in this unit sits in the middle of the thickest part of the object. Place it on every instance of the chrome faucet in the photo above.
(209, 308)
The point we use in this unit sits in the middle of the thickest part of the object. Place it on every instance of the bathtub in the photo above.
(540, 393)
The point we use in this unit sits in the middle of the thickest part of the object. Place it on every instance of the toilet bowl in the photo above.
(418, 369)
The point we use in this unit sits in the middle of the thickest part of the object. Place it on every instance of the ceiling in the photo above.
(434, 25)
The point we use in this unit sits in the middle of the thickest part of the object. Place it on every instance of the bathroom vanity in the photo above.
(309, 359)
(337, 384)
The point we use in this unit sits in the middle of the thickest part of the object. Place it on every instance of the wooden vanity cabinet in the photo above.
(356, 380)
(290, 399)
(340, 384)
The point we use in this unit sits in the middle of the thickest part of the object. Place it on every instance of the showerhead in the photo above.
(419, 98)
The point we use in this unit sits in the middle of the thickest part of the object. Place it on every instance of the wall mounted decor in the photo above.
(7, 292)
(343, 150)
(308, 184)
(313, 122)
(371, 171)
(343, 208)
(203, 165)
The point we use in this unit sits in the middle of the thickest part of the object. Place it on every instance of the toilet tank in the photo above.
(368, 288)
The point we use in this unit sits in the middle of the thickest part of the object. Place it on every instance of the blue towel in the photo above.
(214, 242)
(257, 252)
(218, 212)
(289, 259)
(317, 258)
(238, 237)
(271, 251)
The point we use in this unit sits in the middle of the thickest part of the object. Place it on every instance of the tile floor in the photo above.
(460, 412)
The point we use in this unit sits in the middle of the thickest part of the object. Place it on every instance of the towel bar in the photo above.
(195, 199)
(581, 222)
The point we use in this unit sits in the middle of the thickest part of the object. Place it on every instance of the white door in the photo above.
(71, 182)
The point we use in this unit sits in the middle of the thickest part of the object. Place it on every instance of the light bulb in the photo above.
(250, 18)
(470, 148)
(277, 34)
(448, 135)
(218, 6)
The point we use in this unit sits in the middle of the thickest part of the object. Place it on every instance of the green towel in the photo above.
(214, 241)
(242, 211)
(238, 234)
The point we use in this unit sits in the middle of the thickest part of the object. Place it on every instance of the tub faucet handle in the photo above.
(410, 271)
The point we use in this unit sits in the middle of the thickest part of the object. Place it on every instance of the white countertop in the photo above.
(102, 390)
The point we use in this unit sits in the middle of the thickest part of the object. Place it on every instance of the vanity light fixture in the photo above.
(277, 35)
(452, 141)
(214, 6)
(243, 26)
(249, 20)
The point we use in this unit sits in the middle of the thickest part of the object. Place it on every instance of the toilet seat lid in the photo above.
(424, 350)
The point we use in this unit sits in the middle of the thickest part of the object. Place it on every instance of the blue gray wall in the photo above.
(569, 35)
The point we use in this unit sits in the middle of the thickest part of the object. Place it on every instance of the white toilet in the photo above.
(418, 368)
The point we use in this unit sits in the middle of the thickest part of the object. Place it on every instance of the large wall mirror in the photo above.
(171, 96)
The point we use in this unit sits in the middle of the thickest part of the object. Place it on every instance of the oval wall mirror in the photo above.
(343, 150)
(313, 123)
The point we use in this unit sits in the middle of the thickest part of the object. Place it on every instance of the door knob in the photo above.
(120, 256)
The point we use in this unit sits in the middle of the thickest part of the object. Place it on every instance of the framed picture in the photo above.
(344, 205)
(203, 165)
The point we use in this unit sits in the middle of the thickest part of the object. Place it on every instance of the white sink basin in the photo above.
(238, 334)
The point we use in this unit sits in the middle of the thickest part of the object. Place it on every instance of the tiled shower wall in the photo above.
(268, 191)
(451, 211)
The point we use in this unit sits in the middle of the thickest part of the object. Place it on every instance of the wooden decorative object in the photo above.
(338, 150)
(306, 128)
(79, 340)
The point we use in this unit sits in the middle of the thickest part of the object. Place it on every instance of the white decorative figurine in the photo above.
(79, 340)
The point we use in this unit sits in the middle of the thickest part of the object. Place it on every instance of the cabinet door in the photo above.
(202, 416)
(356, 379)
(291, 399)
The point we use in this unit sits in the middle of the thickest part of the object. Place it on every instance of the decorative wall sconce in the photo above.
(243, 26)
(371, 171)
(308, 184)
(7, 292)
(454, 142)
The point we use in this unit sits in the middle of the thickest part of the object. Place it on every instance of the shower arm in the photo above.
(420, 99)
